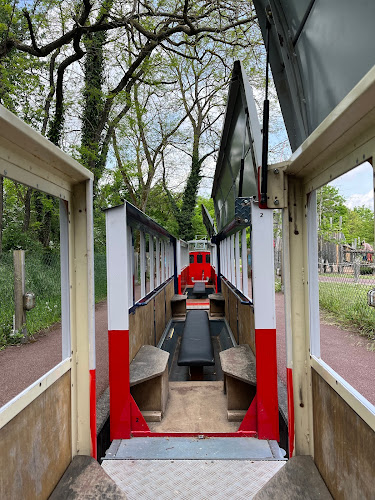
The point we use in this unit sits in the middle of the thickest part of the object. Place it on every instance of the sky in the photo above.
(357, 187)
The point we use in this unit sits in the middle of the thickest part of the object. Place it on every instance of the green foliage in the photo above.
(348, 302)
(43, 228)
(359, 224)
(42, 270)
(356, 223)
(330, 204)
(197, 221)
(159, 209)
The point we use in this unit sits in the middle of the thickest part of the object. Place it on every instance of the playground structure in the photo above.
(327, 419)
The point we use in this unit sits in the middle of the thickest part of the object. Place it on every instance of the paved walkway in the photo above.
(344, 350)
(22, 365)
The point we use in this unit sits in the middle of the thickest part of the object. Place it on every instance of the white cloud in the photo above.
(359, 200)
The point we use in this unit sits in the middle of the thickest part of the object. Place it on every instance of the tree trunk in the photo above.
(189, 198)
(26, 216)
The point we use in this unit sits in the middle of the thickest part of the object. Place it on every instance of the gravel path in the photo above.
(22, 365)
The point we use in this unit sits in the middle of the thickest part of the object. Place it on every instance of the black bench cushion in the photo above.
(196, 346)
(199, 288)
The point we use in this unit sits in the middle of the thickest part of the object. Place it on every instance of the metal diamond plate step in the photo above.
(191, 479)
(179, 448)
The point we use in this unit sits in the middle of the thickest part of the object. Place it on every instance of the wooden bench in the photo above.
(217, 304)
(149, 383)
(238, 365)
(199, 288)
(178, 305)
(196, 347)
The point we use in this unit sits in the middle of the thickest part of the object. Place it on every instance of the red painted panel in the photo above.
(119, 385)
(137, 420)
(266, 371)
(199, 271)
(179, 284)
(93, 413)
(289, 382)
(213, 278)
(184, 278)
(249, 423)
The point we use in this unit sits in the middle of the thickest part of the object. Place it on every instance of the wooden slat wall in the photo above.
(232, 300)
(141, 328)
(159, 314)
(169, 292)
(344, 445)
(240, 317)
(224, 291)
(36, 445)
(246, 326)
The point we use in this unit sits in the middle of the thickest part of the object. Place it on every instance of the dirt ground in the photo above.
(345, 351)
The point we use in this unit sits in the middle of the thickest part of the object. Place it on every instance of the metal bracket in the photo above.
(242, 211)
(276, 191)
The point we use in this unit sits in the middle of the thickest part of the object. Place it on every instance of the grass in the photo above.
(367, 276)
(348, 303)
(43, 278)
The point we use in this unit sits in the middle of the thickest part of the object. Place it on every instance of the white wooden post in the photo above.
(130, 261)
(312, 249)
(232, 268)
(162, 261)
(152, 262)
(65, 281)
(237, 258)
(19, 292)
(157, 262)
(142, 244)
(245, 283)
(119, 274)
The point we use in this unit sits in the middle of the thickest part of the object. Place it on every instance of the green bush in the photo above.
(42, 271)
(365, 270)
(348, 302)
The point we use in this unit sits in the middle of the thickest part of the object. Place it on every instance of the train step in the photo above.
(213, 473)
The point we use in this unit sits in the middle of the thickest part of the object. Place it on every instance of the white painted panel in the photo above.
(90, 274)
(157, 262)
(162, 255)
(130, 261)
(237, 261)
(263, 267)
(118, 266)
(313, 277)
(287, 288)
(152, 262)
(232, 264)
(245, 283)
(65, 282)
(142, 257)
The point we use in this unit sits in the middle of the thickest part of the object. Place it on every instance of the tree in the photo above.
(359, 224)
(200, 84)
(148, 27)
(331, 207)
(145, 134)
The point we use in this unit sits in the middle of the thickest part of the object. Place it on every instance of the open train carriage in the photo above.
(150, 323)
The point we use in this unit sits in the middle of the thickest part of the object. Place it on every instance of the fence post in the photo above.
(356, 269)
(341, 259)
(19, 292)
